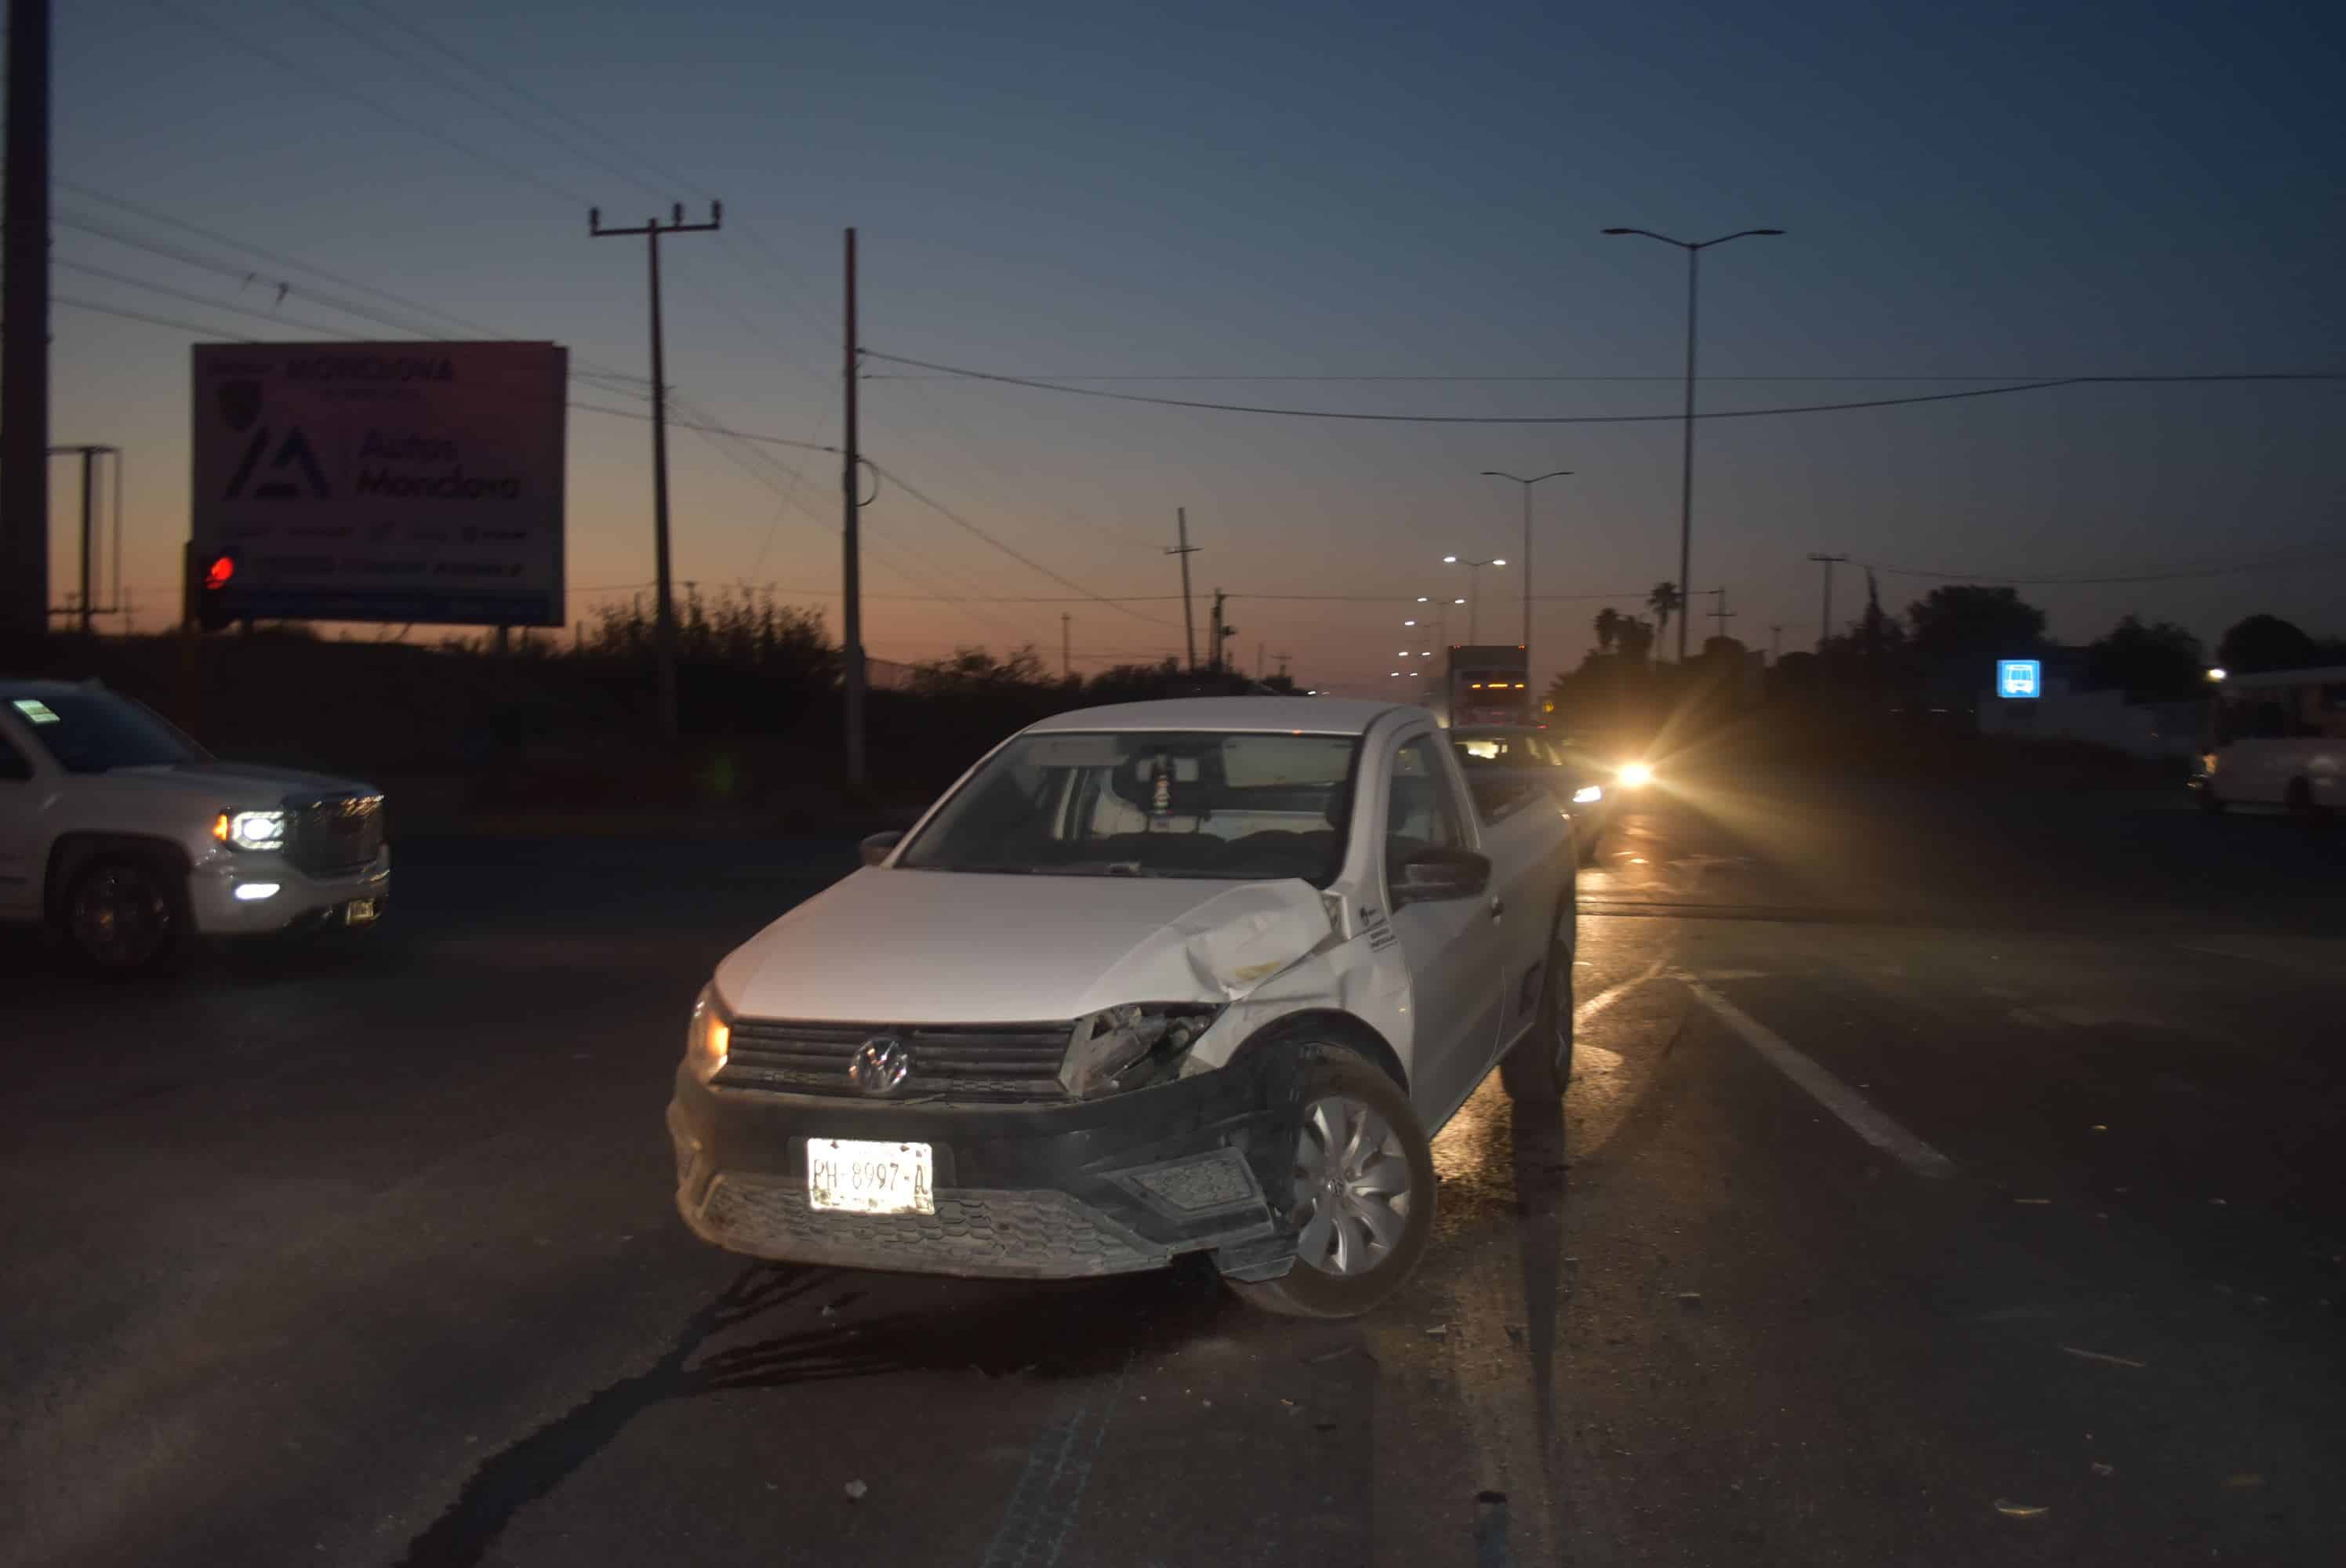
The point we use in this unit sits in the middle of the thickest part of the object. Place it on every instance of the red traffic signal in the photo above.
(204, 587)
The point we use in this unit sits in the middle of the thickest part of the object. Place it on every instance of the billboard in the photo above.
(416, 482)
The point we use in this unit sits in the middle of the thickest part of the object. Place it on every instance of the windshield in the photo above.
(1243, 808)
(90, 731)
(1512, 747)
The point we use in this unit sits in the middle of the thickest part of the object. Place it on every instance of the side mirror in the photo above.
(876, 848)
(1431, 876)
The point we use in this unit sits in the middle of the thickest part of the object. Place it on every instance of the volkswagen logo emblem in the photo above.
(880, 1065)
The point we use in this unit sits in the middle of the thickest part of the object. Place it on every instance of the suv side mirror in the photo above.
(876, 848)
(1431, 876)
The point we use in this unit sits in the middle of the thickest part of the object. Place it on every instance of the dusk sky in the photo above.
(1290, 190)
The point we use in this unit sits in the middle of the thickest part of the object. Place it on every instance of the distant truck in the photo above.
(1489, 683)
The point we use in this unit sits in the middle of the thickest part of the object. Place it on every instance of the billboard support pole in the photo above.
(652, 230)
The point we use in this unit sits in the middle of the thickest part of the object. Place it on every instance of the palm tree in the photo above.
(1665, 601)
(1608, 627)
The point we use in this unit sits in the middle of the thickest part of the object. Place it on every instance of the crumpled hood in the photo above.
(947, 947)
(264, 783)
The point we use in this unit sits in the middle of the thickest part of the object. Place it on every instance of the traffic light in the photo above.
(208, 575)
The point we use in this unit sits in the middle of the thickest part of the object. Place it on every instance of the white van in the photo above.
(2279, 739)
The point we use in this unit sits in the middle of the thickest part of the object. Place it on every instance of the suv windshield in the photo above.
(91, 732)
(1245, 806)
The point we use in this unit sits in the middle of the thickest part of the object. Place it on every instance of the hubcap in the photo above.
(119, 918)
(1351, 1187)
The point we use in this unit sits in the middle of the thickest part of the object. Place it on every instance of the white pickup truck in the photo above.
(1201, 975)
(125, 837)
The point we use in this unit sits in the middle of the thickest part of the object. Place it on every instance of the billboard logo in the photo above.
(2018, 677)
(294, 452)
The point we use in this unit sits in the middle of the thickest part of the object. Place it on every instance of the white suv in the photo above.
(126, 838)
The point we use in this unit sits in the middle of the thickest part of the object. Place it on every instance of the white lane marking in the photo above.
(1606, 998)
(1827, 1090)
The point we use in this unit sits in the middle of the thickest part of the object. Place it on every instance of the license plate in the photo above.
(860, 1177)
(359, 912)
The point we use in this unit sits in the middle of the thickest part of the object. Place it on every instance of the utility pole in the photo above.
(1282, 659)
(1721, 614)
(1775, 644)
(1219, 630)
(25, 353)
(1185, 550)
(851, 585)
(1824, 627)
(1066, 646)
(651, 230)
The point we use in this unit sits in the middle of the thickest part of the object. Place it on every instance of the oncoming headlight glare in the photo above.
(1636, 775)
(1588, 795)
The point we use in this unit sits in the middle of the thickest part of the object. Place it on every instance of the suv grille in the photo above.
(950, 1061)
(332, 838)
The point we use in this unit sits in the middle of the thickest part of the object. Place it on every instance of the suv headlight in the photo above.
(1126, 1047)
(251, 830)
(709, 1036)
(1588, 794)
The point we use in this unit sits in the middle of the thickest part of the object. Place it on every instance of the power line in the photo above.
(195, 298)
(2273, 564)
(1068, 389)
(344, 91)
(152, 321)
(1476, 378)
(954, 517)
(153, 216)
(246, 276)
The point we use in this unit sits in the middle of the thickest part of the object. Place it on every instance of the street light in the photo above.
(1694, 249)
(1527, 483)
(1469, 601)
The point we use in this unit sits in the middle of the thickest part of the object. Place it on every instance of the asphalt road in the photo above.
(1950, 1176)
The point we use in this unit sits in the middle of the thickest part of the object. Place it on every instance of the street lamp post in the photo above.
(1527, 483)
(1694, 249)
(1474, 598)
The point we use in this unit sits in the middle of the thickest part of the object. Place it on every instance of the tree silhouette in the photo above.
(1665, 601)
(1608, 628)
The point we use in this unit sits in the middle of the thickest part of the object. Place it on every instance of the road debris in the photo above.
(1689, 1297)
(1514, 1333)
(1438, 1331)
(856, 1491)
(2101, 1469)
(2098, 1356)
(2012, 1509)
(2247, 1480)
(2031, 1200)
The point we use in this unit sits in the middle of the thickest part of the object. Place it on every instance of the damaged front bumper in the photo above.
(1109, 1186)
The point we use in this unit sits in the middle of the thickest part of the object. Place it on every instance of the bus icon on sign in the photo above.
(2018, 677)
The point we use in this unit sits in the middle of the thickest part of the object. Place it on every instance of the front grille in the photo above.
(335, 837)
(950, 1061)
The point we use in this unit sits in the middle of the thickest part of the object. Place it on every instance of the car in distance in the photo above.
(1202, 975)
(1499, 758)
(126, 838)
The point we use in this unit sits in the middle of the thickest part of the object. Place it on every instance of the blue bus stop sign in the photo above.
(2018, 677)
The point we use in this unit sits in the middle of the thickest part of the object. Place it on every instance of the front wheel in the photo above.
(124, 915)
(1361, 1196)
(1540, 1064)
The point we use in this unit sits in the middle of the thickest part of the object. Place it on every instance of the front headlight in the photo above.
(1125, 1047)
(251, 829)
(1588, 794)
(1636, 774)
(709, 1036)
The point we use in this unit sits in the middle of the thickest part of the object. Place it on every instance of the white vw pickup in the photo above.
(1197, 975)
